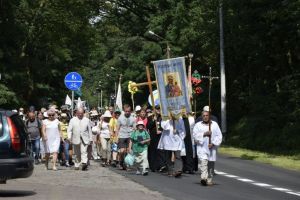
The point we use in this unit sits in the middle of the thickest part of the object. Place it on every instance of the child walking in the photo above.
(139, 141)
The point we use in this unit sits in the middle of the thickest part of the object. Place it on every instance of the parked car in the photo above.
(15, 160)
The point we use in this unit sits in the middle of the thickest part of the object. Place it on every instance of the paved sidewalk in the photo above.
(96, 183)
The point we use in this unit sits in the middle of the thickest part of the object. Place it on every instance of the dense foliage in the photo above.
(40, 41)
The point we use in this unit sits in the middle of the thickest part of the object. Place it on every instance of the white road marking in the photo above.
(231, 176)
(220, 173)
(264, 185)
(294, 193)
(281, 189)
(245, 180)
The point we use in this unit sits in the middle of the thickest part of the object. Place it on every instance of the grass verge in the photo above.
(287, 162)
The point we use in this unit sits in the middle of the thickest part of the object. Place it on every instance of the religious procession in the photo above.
(162, 136)
(150, 100)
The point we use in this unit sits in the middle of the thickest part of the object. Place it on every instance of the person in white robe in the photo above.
(207, 153)
(171, 142)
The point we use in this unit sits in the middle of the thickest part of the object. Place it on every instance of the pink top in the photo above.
(145, 121)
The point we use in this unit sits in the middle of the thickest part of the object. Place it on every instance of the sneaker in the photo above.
(162, 169)
(113, 164)
(204, 182)
(210, 183)
(145, 173)
(67, 164)
(84, 167)
(138, 172)
(71, 163)
(177, 174)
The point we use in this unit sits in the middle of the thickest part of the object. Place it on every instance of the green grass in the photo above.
(287, 162)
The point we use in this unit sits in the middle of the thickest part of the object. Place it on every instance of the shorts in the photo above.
(123, 143)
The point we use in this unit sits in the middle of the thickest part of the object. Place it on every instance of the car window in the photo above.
(19, 124)
(1, 126)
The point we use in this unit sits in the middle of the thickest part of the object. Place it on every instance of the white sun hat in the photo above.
(138, 108)
(140, 123)
(94, 113)
(107, 114)
(45, 114)
(206, 108)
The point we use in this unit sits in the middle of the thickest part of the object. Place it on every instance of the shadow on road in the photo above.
(16, 193)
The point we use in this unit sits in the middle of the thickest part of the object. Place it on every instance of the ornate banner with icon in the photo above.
(172, 85)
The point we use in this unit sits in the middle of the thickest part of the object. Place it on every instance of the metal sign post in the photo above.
(72, 104)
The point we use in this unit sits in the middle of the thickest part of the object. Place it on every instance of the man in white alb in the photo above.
(207, 152)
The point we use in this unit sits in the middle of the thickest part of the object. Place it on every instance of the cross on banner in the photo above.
(149, 83)
(210, 78)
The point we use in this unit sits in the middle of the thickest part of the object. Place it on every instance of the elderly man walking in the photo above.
(80, 135)
(207, 148)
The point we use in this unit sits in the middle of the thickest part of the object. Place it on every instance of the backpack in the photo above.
(38, 123)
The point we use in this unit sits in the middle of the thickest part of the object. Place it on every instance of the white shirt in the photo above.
(104, 129)
(203, 152)
(172, 140)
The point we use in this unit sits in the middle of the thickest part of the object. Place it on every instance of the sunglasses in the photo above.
(51, 115)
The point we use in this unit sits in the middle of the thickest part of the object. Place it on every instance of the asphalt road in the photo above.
(66, 183)
(236, 179)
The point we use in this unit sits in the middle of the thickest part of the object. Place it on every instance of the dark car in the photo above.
(15, 160)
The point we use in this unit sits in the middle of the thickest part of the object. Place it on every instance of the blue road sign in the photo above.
(73, 81)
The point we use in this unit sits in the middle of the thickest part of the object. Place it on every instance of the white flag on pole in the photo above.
(119, 104)
(68, 101)
(80, 104)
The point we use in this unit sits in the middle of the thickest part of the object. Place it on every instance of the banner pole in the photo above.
(151, 94)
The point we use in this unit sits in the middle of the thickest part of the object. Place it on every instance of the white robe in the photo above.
(203, 152)
(169, 140)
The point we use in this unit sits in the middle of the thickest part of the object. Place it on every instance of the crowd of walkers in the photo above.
(124, 140)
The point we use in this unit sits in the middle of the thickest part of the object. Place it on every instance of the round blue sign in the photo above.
(73, 81)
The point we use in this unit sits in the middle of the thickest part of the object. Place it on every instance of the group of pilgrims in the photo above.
(128, 140)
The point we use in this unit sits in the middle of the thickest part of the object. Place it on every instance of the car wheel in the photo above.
(2, 181)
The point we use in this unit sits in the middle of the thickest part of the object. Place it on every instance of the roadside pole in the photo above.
(72, 107)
